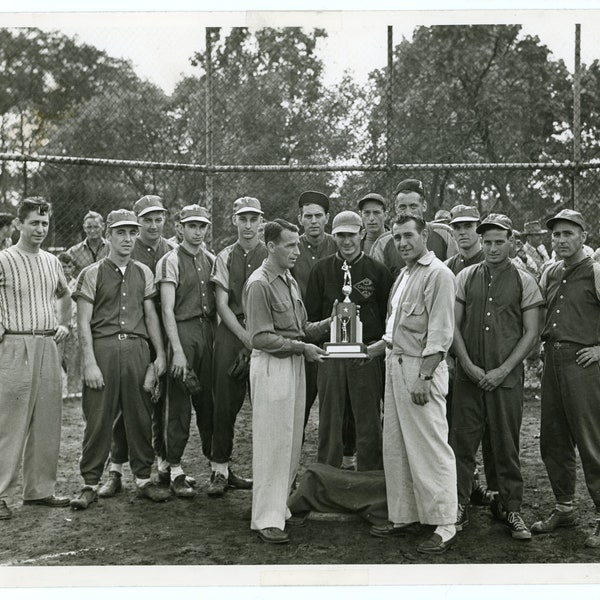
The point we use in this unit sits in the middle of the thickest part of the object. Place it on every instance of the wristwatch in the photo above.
(425, 377)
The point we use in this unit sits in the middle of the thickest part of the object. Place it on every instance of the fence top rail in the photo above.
(178, 166)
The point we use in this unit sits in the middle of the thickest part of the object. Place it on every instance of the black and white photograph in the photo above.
(299, 297)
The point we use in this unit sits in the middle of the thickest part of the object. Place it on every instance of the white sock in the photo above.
(564, 507)
(446, 532)
(117, 468)
(163, 465)
(348, 461)
(142, 483)
(176, 471)
(222, 468)
(92, 487)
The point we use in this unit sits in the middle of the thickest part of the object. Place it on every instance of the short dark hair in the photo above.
(6, 219)
(65, 258)
(33, 204)
(274, 228)
(406, 217)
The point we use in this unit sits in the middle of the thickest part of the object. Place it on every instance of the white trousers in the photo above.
(277, 388)
(419, 464)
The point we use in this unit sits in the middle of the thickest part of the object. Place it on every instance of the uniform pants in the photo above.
(30, 414)
(419, 465)
(339, 379)
(570, 419)
(229, 393)
(500, 412)
(123, 364)
(278, 392)
(119, 450)
(312, 369)
(196, 337)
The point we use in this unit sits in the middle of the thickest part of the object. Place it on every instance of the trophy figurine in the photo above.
(346, 327)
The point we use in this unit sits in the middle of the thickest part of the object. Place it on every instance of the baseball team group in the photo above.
(156, 330)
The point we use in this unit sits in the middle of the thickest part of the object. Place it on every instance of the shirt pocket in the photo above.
(283, 316)
(414, 317)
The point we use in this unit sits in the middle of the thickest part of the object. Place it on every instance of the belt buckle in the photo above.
(557, 345)
(122, 336)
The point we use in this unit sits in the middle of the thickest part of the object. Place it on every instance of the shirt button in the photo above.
(124, 294)
(557, 311)
(249, 267)
(488, 314)
(487, 328)
(122, 322)
(553, 324)
(124, 308)
(564, 281)
(561, 297)
(490, 299)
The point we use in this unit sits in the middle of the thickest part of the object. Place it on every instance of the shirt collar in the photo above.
(272, 274)
(427, 258)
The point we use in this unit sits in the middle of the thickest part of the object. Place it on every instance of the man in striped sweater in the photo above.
(31, 282)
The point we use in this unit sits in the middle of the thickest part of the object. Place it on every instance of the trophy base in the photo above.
(345, 350)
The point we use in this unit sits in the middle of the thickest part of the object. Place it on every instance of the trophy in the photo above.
(346, 327)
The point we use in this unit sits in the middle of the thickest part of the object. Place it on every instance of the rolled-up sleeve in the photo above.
(259, 322)
(439, 292)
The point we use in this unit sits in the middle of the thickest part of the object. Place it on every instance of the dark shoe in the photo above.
(272, 535)
(462, 517)
(435, 545)
(112, 486)
(5, 512)
(297, 520)
(164, 477)
(218, 484)
(86, 497)
(52, 501)
(593, 540)
(153, 492)
(518, 529)
(497, 509)
(390, 530)
(181, 488)
(237, 482)
(554, 521)
(480, 495)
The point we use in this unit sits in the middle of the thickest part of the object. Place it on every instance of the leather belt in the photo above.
(33, 332)
(127, 336)
(564, 345)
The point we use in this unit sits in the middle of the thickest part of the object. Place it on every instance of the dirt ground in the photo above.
(128, 531)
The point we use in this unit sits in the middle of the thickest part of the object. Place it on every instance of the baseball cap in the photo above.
(194, 212)
(410, 185)
(346, 222)
(461, 213)
(121, 217)
(311, 197)
(495, 220)
(148, 204)
(246, 204)
(567, 215)
(373, 197)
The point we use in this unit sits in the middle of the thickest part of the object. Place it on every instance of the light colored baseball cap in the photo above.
(567, 215)
(496, 220)
(121, 217)
(461, 213)
(194, 212)
(247, 204)
(346, 222)
(148, 204)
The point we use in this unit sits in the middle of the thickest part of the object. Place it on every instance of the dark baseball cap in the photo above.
(410, 185)
(312, 197)
(373, 197)
(567, 215)
(495, 220)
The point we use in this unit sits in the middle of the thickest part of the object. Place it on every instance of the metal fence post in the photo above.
(389, 158)
(576, 119)
(208, 180)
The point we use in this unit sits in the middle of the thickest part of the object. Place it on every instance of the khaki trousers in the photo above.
(30, 414)
(419, 465)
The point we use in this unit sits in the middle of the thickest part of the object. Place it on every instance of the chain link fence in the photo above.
(259, 120)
